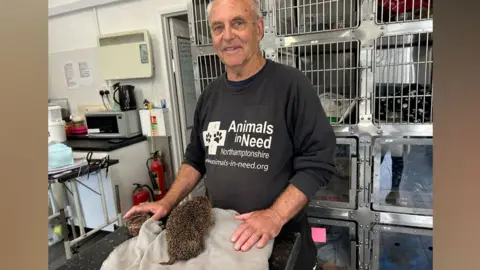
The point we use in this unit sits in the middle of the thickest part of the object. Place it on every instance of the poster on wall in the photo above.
(70, 73)
(77, 74)
(85, 74)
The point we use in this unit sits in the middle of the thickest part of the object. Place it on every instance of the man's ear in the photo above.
(260, 28)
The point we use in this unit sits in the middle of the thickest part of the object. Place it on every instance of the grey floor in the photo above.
(56, 253)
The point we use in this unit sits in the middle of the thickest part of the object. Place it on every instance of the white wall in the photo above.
(79, 30)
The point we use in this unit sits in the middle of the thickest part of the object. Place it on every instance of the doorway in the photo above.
(181, 75)
(181, 82)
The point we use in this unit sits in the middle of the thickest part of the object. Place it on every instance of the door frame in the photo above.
(163, 17)
(178, 35)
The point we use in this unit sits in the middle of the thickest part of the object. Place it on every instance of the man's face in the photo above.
(236, 31)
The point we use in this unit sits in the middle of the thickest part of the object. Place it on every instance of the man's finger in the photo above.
(130, 212)
(251, 241)
(243, 238)
(263, 241)
(157, 216)
(238, 232)
(243, 216)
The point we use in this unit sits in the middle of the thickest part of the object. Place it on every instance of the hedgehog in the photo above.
(185, 229)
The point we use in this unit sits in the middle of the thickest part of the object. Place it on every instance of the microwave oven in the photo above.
(113, 124)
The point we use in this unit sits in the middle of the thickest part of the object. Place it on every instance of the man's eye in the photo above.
(217, 28)
(237, 23)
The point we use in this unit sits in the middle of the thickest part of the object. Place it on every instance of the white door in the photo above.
(184, 77)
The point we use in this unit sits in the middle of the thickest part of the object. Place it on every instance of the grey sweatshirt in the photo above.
(251, 139)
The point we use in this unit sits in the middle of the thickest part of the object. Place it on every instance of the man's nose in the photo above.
(228, 33)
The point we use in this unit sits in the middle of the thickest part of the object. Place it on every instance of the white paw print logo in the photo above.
(214, 137)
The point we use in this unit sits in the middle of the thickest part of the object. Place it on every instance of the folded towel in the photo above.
(149, 249)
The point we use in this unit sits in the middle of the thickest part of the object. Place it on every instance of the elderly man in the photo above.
(260, 136)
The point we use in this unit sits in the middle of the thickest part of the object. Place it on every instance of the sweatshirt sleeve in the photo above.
(313, 138)
(195, 152)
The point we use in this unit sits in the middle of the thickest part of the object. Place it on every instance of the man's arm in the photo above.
(314, 145)
(193, 167)
(313, 139)
(186, 180)
(289, 204)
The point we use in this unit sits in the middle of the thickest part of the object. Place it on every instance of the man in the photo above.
(260, 136)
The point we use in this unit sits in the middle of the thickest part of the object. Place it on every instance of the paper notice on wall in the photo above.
(78, 74)
(85, 74)
(71, 78)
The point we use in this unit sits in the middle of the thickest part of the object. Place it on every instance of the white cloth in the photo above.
(148, 249)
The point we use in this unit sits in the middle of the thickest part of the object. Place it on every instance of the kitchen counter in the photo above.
(284, 252)
(83, 143)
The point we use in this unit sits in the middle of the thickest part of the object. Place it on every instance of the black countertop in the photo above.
(284, 254)
(83, 143)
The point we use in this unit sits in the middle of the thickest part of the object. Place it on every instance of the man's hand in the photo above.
(258, 226)
(158, 209)
(186, 180)
(264, 225)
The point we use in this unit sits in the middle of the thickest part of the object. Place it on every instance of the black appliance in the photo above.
(126, 96)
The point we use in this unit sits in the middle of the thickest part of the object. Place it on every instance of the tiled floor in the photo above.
(56, 253)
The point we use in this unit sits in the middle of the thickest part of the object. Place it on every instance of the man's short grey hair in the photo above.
(255, 3)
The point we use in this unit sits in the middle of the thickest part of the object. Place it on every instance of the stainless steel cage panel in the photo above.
(210, 66)
(401, 248)
(341, 192)
(294, 17)
(403, 79)
(201, 27)
(406, 220)
(395, 11)
(402, 175)
(340, 248)
(333, 69)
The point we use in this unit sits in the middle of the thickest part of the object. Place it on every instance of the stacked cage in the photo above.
(370, 63)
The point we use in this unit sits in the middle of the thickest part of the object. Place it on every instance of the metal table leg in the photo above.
(78, 209)
(66, 242)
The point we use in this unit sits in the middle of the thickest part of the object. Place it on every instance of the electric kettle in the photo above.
(126, 97)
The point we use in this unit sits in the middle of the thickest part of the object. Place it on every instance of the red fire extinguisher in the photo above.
(156, 171)
(141, 195)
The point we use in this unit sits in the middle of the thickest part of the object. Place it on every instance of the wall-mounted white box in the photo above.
(125, 55)
(155, 122)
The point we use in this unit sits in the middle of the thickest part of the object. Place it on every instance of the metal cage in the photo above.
(210, 67)
(342, 189)
(403, 175)
(333, 68)
(396, 11)
(340, 243)
(296, 17)
(401, 248)
(403, 91)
